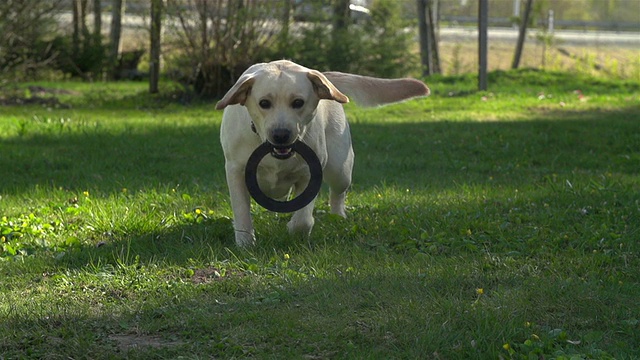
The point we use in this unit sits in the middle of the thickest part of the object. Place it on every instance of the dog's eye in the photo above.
(265, 104)
(297, 103)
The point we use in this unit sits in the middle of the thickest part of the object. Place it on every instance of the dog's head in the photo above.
(281, 98)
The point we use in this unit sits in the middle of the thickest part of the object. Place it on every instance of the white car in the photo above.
(318, 10)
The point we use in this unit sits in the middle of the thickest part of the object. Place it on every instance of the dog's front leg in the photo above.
(302, 220)
(240, 205)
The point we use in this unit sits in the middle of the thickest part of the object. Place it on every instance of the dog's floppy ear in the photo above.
(238, 92)
(324, 88)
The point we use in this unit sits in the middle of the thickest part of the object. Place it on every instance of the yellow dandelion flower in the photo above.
(506, 346)
(198, 211)
(479, 291)
(85, 193)
(286, 256)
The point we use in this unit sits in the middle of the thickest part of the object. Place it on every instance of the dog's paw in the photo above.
(245, 239)
(300, 226)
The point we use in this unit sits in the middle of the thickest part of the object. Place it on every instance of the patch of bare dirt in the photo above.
(37, 95)
(126, 342)
(212, 274)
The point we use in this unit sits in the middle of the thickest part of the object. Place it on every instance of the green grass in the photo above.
(501, 224)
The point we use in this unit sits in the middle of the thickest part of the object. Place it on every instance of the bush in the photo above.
(215, 42)
(31, 45)
(378, 46)
(88, 63)
(25, 42)
(388, 44)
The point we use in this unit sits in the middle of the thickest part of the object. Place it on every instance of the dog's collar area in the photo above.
(297, 203)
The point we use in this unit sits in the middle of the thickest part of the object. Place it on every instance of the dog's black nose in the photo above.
(281, 136)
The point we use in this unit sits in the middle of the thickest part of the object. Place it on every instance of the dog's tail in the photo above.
(369, 91)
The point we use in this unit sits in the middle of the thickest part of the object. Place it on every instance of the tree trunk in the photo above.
(428, 40)
(522, 35)
(341, 15)
(86, 36)
(156, 30)
(204, 29)
(425, 53)
(97, 23)
(114, 37)
(433, 36)
(483, 20)
(75, 36)
(83, 17)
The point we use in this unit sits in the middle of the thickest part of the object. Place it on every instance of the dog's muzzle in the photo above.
(281, 140)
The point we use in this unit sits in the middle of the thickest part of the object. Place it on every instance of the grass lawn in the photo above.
(501, 224)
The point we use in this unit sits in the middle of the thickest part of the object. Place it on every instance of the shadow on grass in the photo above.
(365, 313)
(426, 154)
(343, 317)
(537, 157)
(87, 158)
(427, 157)
(441, 154)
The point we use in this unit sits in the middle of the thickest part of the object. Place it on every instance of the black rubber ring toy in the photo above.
(300, 201)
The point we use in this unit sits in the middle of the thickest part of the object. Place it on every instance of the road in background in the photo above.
(626, 39)
(563, 37)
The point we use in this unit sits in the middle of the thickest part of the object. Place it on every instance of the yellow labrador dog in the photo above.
(281, 102)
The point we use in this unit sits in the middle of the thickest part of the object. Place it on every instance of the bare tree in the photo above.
(219, 39)
(84, 30)
(83, 17)
(429, 53)
(483, 23)
(522, 34)
(117, 9)
(86, 57)
(155, 45)
(97, 22)
(432, 22)
(79, 38)
(75, 36)
(423, 32)
(341, 14)
(25, 29)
